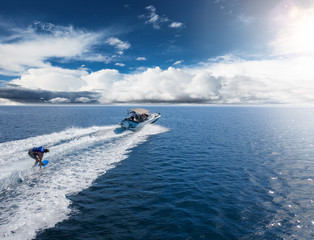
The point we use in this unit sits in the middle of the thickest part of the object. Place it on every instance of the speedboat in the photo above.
(138, 117)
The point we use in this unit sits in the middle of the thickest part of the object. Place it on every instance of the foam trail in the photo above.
(15, 163)
(78, 157)
(9, 149)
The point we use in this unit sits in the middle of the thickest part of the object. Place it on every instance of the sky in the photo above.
(157, 52)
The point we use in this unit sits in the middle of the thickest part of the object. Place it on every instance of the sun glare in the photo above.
(302, 32)
(296, 33)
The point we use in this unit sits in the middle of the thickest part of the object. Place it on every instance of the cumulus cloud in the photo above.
(4, 101)
(288, 80)
(230, 81)
(224, 80)
(204, 86)
(101, 81)
(59, 100)
(83, 100)
(52, 79)
(33, 46)
(19, 95)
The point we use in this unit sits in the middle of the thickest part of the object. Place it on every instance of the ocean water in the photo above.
(201, 172)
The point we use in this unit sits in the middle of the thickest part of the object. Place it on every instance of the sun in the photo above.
(295, 33)
(302, 31)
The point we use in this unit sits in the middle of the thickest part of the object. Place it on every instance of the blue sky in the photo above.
(158, 51)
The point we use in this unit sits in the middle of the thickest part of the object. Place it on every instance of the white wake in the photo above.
(32, 200)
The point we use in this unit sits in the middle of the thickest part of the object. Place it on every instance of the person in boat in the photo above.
(137, 118)
(133, 116)
(144, 116)
(37, 153)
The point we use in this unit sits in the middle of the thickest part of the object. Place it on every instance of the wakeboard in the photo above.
(44, 162)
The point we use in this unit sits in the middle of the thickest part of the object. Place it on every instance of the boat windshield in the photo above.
(136, 116)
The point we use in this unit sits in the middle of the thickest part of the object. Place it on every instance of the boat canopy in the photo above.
(139, 110)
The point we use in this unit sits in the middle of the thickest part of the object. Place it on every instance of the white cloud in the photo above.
(96, 58)
(157, 20)
(288, 80)
(204, 86)
(120, 64)
(176, 25)
(59, 100)
(32, 47)
(141, 59)
(83, 100)
(102, 80)
(235, 82)
(140, 69)
(153, 18)
(52, 79)
(118, 44)
(4, 101)
(222, 80)
(152, 85)
(177, 62)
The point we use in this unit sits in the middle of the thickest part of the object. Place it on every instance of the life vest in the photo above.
(39, 149)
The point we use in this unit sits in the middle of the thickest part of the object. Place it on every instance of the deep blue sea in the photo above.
(200, 172)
